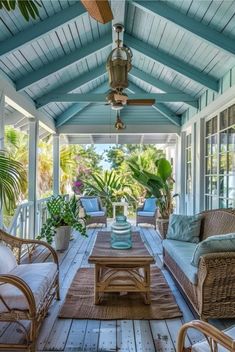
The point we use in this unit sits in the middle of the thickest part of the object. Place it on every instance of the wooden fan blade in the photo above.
(139, 102)
(100, 10)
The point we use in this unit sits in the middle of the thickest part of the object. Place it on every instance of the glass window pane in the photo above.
(223, 186)
(208, 165)
(231, 139)
(231, 203)
(214, 165)
(214, 203)
(231, 163)
(224, 119)
(231, 115)
(223, 141)
(231, 186)
(223, 203)
(223, 164)
(208, 146)
(208, 185)
(214, 185)
(214, 125)
(209, 127)
(214, 144)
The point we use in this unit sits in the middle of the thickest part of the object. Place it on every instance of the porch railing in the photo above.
(20, 223)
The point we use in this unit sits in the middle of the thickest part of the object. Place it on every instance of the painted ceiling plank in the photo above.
(190, 24)
(101, 98)
(63, 62)
(41, 28)
(162, 85)
(69, 113)
(172, 62)
(71, 85)
(76, 108)
(164, 110)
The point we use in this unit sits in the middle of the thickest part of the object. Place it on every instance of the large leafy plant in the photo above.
(62, 212)
(110, 187)
(13, 179)
(159, 185)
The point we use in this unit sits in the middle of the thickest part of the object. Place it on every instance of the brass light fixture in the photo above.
(119, 125)
(119, 63)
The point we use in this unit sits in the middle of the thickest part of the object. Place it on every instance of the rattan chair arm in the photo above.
(45, 244)
(23, 287)
(209, 258)
(209, 331)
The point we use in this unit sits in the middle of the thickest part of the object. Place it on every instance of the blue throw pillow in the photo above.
(214, 244)
(184, 228)
(90, 204)
(150, 204)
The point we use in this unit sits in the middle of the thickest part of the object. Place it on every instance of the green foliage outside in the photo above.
(28, 8)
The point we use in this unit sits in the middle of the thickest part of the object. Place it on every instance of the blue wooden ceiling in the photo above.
(66, 50)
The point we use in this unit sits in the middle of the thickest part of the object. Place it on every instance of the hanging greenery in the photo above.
(28, 8)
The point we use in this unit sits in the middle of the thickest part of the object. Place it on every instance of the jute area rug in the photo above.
(79, 300)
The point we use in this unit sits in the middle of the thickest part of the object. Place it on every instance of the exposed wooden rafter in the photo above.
(63, 62)
(71, 85)
(164, 110)
(165, 87)
(190, 24)
(41, 28)
(172, 62)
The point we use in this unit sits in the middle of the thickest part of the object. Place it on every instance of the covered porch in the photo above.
(54, 86)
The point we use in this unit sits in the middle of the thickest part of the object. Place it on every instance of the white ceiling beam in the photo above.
(110, 129)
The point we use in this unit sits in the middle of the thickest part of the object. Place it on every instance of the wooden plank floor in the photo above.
(94, 335)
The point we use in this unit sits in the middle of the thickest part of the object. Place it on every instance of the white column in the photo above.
(2, 129)
(32, 175)
(56, 164)
(182, 172)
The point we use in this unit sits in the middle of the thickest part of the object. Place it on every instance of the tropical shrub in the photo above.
(159, 185)
(110, 187)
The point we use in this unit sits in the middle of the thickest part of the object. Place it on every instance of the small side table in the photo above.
(120, 204)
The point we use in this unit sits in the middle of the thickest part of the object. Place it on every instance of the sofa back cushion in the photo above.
(217, 222)
(7, 260)
(214, 244)
(150, 204)
(184, 228)
(90, 204)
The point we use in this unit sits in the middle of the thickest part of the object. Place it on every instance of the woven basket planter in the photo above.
(163, 227)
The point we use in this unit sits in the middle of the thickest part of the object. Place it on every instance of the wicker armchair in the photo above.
(96, 212)
(27, 290)
(213, 296)
(214, 338)
(147, 215)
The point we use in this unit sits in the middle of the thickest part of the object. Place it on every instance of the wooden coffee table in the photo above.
(121, 270)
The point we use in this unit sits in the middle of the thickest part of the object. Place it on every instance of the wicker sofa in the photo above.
(26, 290)
(97, 214)
(210, 288)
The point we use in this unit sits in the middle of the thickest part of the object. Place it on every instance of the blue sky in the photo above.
(100, 148)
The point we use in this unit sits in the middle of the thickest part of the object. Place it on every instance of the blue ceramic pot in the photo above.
(121, 233)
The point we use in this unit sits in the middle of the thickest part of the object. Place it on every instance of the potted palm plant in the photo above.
(159, 185)
(63, 216)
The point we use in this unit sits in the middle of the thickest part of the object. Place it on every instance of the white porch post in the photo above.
(2, 129)
(56, 164)
(32, 175)
(182, 172)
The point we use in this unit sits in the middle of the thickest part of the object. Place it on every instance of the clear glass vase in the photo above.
(121, 233)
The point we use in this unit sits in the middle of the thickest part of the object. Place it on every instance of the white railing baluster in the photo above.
(20, 223)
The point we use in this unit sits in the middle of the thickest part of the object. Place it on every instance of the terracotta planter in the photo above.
(62, 238)
(163, 227)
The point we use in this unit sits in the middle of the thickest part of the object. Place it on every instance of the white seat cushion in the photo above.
(204, 347)
(37, 276)
(7, 260)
